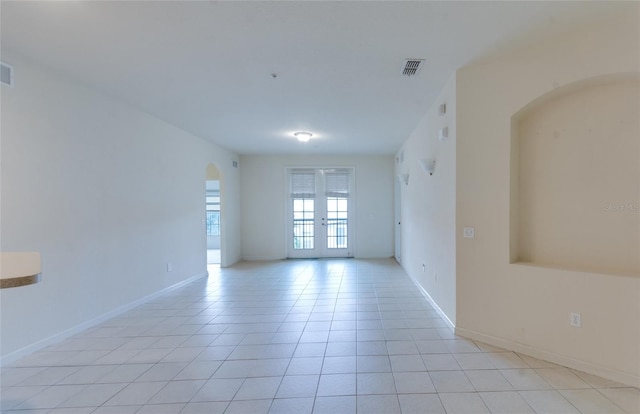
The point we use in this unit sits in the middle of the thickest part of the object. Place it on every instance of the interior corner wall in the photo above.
(264, 197)
(428, 204)
(107, 194)
(522, 307)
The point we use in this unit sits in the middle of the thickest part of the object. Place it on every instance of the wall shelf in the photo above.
(19, 269)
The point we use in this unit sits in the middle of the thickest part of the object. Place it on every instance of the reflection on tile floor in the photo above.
(213, 256)
(318, 336)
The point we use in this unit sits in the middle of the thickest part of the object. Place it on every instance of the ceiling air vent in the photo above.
(412, 66)
(6, 74)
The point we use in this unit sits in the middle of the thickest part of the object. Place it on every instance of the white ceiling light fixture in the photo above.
(303, 136)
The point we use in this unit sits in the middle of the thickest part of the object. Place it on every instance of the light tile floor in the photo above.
(213, 256)
(318, 336)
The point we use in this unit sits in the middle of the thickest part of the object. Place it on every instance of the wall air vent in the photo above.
(6, 74)
(412, 66)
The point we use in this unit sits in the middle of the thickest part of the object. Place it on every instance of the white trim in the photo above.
(320, 251)
(29, 349)
(262, 258)
(588, 367)
(433, 303)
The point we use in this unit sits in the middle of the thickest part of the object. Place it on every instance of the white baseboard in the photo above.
(29, 349)
(261, 258)
(588, 367)
(433, 303)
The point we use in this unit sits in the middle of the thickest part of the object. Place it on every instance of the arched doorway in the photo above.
(213, 215)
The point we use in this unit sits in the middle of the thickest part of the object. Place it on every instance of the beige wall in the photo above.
(107, 195)
(579, 178)
(428, 204)
(212, 172)
(527, 307)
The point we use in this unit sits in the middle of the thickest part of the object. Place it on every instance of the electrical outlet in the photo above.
(575, 319)
(169, 267)
(469, 232)
(424, 269)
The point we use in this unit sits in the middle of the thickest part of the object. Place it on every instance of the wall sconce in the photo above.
(403, 179)
(428, 165)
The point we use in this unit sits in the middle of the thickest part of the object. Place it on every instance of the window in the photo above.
(303, 223)
(213, 213)
(337, 192)
(337, 220)
(303, 189)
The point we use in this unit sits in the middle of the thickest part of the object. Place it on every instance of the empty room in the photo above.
(319, 207)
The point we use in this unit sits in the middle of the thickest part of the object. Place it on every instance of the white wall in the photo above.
(428, 204)
(527, 307)
(108, 195)
(264, 196)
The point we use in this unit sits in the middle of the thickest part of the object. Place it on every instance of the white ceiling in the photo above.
(206, 66)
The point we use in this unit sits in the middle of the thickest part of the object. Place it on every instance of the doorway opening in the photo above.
(213, 223)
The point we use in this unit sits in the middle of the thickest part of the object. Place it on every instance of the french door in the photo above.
(320, 212)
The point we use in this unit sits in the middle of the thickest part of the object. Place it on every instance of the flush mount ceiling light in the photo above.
(303, 136)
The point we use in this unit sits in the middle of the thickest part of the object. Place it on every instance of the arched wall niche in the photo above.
(575, 177)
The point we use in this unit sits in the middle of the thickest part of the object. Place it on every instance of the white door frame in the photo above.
(398, 220)
(320, 218)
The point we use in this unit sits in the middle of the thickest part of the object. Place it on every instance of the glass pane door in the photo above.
(303, 224)
(319, 218)
(337, 223)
